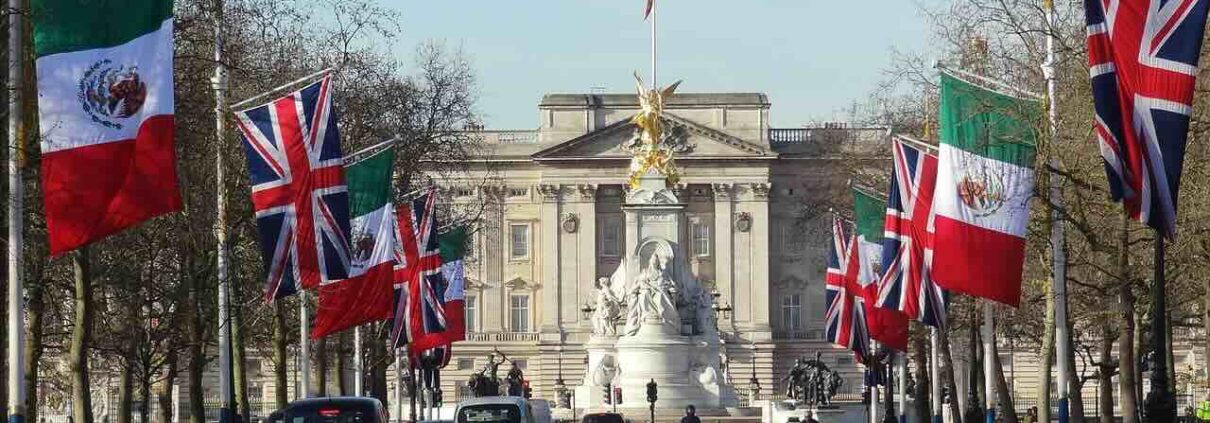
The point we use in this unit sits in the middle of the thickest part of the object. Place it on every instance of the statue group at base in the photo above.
(652, 318)
(487, 383)
(812, 383)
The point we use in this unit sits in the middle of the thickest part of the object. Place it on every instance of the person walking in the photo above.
(691, 415)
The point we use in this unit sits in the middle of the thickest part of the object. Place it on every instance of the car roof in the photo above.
(311, 402)
(518, 401)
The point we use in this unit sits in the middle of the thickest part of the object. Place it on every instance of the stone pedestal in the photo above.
(679, 351)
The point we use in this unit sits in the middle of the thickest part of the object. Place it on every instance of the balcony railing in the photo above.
(790, 135)
(502, 337)
(798, 334)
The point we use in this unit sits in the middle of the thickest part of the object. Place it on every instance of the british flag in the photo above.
(298, 189)
(844, 321)
(1142, 57)
(906, 284)
(422, 315)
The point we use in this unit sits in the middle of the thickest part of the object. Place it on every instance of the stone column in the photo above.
(724, 256)
(760, 256)
(492, 262)
(549, 258)
(586, 264)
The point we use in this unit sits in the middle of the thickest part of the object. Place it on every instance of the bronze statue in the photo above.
(811, 382)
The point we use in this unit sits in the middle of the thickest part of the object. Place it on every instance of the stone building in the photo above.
(551, 224)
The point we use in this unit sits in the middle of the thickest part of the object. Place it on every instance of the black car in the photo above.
(331, 410)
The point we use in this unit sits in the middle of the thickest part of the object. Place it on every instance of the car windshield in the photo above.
(602, 418)
(489, 413)
(331, 413)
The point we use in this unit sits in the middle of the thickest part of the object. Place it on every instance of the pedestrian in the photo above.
(1031, 416)
(690, 415)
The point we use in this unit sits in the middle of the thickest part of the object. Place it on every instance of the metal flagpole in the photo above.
(1160, 405)
(1058, 247)
(398, 400)
(654, 79)
(989, 338)
(935, 374)
(873, 383)
(358, 371)
(16, 211)
(304, 346)
(219, 84)
(902, 388)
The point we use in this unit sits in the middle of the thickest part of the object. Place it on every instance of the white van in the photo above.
(495, 410)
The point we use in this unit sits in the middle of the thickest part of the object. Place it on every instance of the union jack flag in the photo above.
(906, 284)
(1142, 57)
(298, 189)
(419, 256)
(845, 321)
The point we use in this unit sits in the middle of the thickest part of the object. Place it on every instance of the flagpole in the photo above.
(16, 214)
(654, 79)
(989, 339)
(1058, 247)
(398, 400)
(358, 371)
(219, 84)
(902, 387)
(935, 373)
(304, 346)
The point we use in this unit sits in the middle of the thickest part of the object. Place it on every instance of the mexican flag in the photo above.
(869, 216)
(453, 249)
(105, 106)
(985, 177)
(368, 294)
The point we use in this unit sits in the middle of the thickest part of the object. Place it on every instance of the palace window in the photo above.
(518, 313)
(470, 306)
(518, 192)
(519, 235)
(464, 192)
(791, 312)
(611, 236)
(466, 363)
(701, 238)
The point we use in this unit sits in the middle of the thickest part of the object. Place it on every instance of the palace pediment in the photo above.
(689, 140)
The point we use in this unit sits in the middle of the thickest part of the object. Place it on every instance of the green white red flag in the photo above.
(368, 294)
(105, 103)
(985, 178)
(889, 327)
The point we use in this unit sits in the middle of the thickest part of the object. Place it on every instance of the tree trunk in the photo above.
(342, 362)
(320, 379)
(165, 391)
(197, 360)
(281, 391)
(1128, 375)
(1047, 355)
(947, 373)
(1139, 351)
(1206, 327)
(81, 334)
(36, 313)
(1075, 387)
(125, 386)
(921, 398)
(379, 360)
(1004, 396)
(238, 360)
(1105, 377)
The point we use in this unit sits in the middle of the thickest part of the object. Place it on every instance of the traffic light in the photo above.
(653, 391)
(608, 390)
(526, 390)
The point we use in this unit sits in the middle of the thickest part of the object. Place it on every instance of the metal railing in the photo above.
(502, 337)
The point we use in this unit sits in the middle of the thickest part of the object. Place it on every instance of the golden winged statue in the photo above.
(651, 153)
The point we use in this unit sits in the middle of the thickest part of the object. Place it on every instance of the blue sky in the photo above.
(812, 57)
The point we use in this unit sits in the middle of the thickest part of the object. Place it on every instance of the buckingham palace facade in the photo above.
(551, 223)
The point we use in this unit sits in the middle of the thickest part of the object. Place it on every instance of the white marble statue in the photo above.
(652, 295)
(607, 312)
